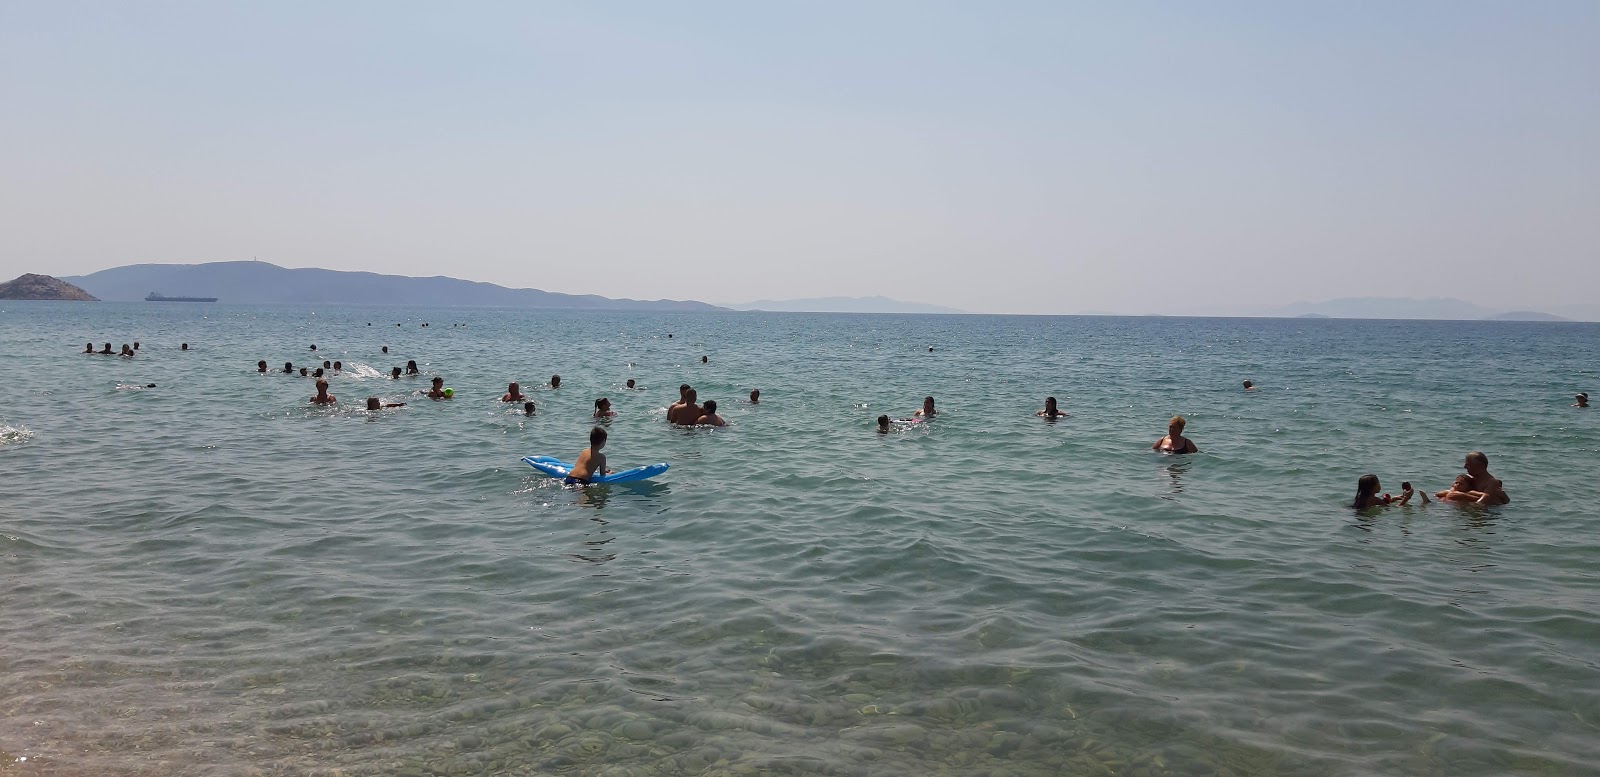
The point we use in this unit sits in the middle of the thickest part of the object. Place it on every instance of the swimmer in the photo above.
(313, 346)
(437, 392)
(528, 408)
(338, 366)
(323, 397)
(373, 403)
(327, 364)
(88, 348)
(683, 397)
(630, 380)
(1477, 486)
(883, 424)
(135, 345)
(288, 369)
(1367, 488)
(261, 366)
(1175, 442)
(317, 373)
(927, 410)
(513, 394)
(107, 350)
(1248, 386)
(1050, 411)
(690, 411)
(602, 408)
(302, 372)
(755, 396)
(708, 415)
(185, 347)
(134, 386)
(411, 368)
(1583, 400)
(703, 360)
(555, 381)
(126, 351)
(394, 373)
(385, 348)
(591, 460)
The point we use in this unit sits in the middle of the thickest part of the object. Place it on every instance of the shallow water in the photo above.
(214, 577)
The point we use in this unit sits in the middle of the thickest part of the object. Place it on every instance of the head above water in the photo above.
(318, 372)
(326, 364)
(394, 373)
(527, 408)
(630, 383)
(555, 381)
(597, 438)
(322, 386)
(755, 395)
(514, 389)
(338, 365)
(691, 396)
(710, 407)
(883, 422)
(438, 380)
(1366, 488)
(683, 390)
(411, 367)
(927, 404)
(385, 348)
(261, 366)
(303, 372)
(374, 404)
(1175, 426)
(602, 404)
(1049, 403)
(185, 347)
(1249, 385)
(1476, 463)
(703, 360)
(313, 346)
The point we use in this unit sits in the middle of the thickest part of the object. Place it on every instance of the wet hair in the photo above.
(703, 360)
(338, 365)
(1049, 400)
(302, 372)
(691, 396)
(527, 407)
(926, 400)
(755, 394)
(883, 421)
(288, 367)
(1248, 384)
(710, 407)
(135, 345)
(683, 390)
(438, 379)
(514, 388)
(630, 383)
(374, 404)
(321, 383)
(555, 380)
(1479, 457)
(601, 402)
(326, 364)
(394, 373)
(1178, 421)
(318, 372)
(108, 346)
(597, 436)
(1366, 491)
(185, 347)
(385, 348)
(262, 365)
(88, 347)
(411, 367)
(313, 346)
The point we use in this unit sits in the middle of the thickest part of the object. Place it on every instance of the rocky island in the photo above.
(43, 287)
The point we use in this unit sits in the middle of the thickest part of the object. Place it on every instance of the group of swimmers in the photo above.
(127, 352)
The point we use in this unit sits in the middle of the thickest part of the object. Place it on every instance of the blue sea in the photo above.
(213, 576)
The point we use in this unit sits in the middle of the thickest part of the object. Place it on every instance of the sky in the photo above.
(1008, 157)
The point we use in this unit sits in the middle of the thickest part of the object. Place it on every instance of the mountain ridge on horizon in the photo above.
(873, 304)
(257, 282)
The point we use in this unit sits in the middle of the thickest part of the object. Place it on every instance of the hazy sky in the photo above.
(1047, 157)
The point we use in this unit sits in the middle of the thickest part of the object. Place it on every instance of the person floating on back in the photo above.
(708, 415)
(1477, 486)
(1175, 442)
(1050, 410)
(927, 411)
(591, 462)
(602, 408)
(323, 397)
(513, 394)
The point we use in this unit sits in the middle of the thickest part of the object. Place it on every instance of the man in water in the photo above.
(927, 411)
(394, 374)
(1479, 487)
(690, 411)
(1583, 400)
(883, 424)
(755, 396)
(591, 462)
(437, 392)
(708, 415)
(288, 368)
(185, 347)
(261, 366)
(630, 380)
(107, 350)
(89, 348)
(513, 394)
(1248, 386)
(323, 397)
(1050, 410)
(385, 348)
(303, 371)
(672, 410)
(555, 381)
(373, 403)
(527, 408)
(338, 366)
(126, 351)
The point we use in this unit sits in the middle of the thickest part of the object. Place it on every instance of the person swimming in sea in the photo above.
(1175, 442)
(303, 372)
(126, 351)
(323, 397)
(755, 396)
(411, 368)
(338, 366)
(591, 461)
(708, 415)
(184, 347)
(513, 393)
(385, 348)
(704, 360)
(317, 373)
(602, 408)
(927, 412)
(88, 348)
(672, 409)
(288, 368)
(106, 351)
(1050, 410)
(630, 386)
(1367, 488)
(528, 408)
(1583, 400)
(394, 373)
(883, 424)
(373, 403)
(261, 366)
(690, 411)
(437, 392)
(1477, 486)
(327, 365)
(1248, 386)
(555, 381)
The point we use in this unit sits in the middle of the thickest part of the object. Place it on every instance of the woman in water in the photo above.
(1175, 442)
(1367, 494)
(411, 368)
(602, 408)
(927, 411)
(1050, 411)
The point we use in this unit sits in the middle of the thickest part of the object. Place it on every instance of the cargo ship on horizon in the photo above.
(155, 296)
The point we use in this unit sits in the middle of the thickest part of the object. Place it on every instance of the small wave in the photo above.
(14, 434)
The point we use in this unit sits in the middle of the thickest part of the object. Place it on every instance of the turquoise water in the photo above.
(213, 576)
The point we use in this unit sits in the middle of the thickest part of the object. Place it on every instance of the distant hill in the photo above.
(1390, 307)
(1525, 315)
(43, 287)
(264, 283)
(843, 305)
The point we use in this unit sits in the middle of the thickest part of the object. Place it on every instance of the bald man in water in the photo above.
(1479, 487)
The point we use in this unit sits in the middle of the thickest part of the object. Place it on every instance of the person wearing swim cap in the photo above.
(513, 394)
(323, 397)
(708, 415)
(1583, 400)
(591, 461)
(1050, 410)
(437, 392)
(1175, 442)
(927, 412)
(1477, 486)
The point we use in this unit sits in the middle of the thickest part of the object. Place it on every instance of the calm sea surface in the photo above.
(214, 577)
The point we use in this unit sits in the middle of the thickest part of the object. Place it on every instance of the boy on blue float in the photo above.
(591, 461)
